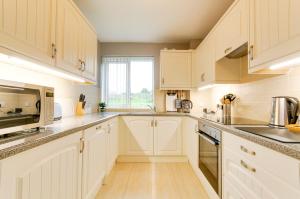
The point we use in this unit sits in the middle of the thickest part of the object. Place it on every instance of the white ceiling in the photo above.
(152, 20)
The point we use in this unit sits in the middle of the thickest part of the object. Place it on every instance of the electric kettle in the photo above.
(284, 111)
(186, 105)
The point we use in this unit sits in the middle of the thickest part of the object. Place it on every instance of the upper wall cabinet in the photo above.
(175, 69)
(27, 27)
(274, 32)
(232, 31)
(52, 32)
(76, 41)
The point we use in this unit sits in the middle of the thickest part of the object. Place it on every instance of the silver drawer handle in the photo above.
(98, 127)
(244, 149)
(246, 166)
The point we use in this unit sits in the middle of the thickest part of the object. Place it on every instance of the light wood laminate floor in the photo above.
(152, 181)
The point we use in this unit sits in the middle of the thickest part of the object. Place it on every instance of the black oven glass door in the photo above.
(209, 159)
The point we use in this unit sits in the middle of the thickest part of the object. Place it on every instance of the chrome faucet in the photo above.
(152, 108)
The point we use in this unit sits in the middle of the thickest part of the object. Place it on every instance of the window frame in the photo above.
(127, 60)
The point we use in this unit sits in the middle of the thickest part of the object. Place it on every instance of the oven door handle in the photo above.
(208, 139)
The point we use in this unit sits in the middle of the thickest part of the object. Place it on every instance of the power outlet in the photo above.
(2, 104)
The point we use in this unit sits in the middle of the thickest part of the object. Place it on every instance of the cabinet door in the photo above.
(89, 52)
(167, 136)
(192, 141)
(139, 137)
(68, 37)
(204, 68)
(112, 143)
(176, 69)
(252, 180)
(94, 160)
(49, 171)
(232, 32)
(274, 31)
(27, 27)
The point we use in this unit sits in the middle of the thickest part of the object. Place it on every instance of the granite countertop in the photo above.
(75, 124)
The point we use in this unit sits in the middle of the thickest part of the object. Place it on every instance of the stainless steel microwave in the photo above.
(24, 106)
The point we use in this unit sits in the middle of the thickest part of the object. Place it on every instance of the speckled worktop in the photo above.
(74, 124)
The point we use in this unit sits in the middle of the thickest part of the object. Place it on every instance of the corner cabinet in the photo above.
(53, 169)
(152, 136)
(175, 69)
(274, 32)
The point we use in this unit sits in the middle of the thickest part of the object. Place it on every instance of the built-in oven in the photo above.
(210, 155)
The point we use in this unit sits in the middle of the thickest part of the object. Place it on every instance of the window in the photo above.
(127, 82)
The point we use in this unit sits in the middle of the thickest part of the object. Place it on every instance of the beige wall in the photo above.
(142, 49)
(254, 99)
(139, 49)
(66, 92)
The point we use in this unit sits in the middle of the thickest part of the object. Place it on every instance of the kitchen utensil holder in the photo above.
(79, 109)
(227, 110)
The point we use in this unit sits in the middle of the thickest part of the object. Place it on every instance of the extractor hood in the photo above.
(239, 52)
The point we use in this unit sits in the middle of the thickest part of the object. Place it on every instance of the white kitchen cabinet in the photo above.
(112, 143)
(274, 32)
(49, 171)
(94, 160)
(232, 31)
(246, 168)
(139, 137)
(89, 54)
(175, 69)
(204, 63)
(167, 136)
(28, 27)
(190, 128)
(69, 35)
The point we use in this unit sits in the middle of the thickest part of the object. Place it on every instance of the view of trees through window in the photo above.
(128, 82)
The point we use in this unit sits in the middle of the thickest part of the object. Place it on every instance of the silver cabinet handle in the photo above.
(80, 64)
(54, 50)
(251, 56)
(83, 66)
(227, 49)
(203, 77)
(98, 127)
(246, 166)
(82, 145)
(244, 149)
(155, 123)
(162, 80)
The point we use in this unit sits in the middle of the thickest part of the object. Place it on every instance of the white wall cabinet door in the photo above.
(167, 136)
(204, 64)
(274, 31)
(27, 27)
(68, 37)
(232, 32)
(176, 69)
(94, 160)
(89, 55)
(52, 170)
(139, 137)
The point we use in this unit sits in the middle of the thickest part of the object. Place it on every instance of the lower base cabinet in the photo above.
(49, 171)
(251, 171)
(72, 167)
(152, 136)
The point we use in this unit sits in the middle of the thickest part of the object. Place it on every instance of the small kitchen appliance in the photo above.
(24, 106)
(284, 111)
(170, 102)
(186, 105)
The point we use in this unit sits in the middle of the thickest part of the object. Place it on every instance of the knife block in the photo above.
(79, 109)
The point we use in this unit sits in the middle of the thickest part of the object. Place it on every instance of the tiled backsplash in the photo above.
(254, 99)
(66, 92)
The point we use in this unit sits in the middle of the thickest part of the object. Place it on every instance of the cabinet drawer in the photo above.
(253, 180)
(282, 166)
